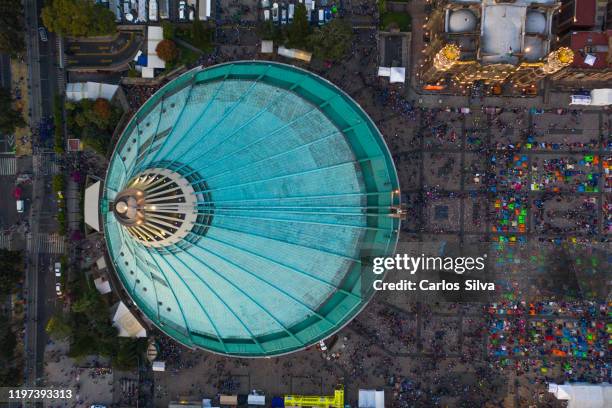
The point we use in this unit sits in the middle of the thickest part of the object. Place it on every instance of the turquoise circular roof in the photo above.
(295, 192)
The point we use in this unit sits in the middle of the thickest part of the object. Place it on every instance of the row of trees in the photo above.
(78, 18)
(11, 27)
(89, 330)
(9, 369)
(10, 118)
(329, 42)
(11, 265)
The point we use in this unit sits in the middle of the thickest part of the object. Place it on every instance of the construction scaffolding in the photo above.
(317, 401)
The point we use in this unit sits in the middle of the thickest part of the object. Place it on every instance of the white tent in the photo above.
(90, 90)
(582, 395)
(126, 323)
(103, 285)
(92, 198)
(155, 34)
(601, 97)
(101, 263)
(159, 366)
(384, 71)
(371, 399)
(398, 74)
(267, 47)
(255, 399)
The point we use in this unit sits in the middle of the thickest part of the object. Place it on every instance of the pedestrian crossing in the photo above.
(47, 243)
(45, 165)
(8, 166)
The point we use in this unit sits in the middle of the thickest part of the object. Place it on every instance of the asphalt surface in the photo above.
(116, 52)
(43, 78)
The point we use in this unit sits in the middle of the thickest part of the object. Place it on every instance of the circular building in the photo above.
(242, 207)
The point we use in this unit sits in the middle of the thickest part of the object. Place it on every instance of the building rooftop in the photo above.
(509, 31)
(264, 190)
(591, 44)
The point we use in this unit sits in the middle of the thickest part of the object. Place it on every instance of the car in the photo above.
(283, 16)
(182, 9)
(328, 14)
(42, 32)
(98, 406)
(191, 13)
(322, 346)
(58, 269)
(291, 12)
(275, 12)
(20, 206)
(58, 288)
(321, 16)
(266, 15)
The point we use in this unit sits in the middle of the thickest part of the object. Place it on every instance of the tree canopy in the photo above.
(332, 41)
(299, 29)
(11, 27)
(78, 18)
(11, 265)
(9, 118)
(167, 50)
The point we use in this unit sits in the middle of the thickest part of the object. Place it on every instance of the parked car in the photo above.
(42, 32)
(58, 289)
(321, 17)
(283, 16)
(275, 12)
(20, 206)
(58, 269)
(291, 12)
(328, 14)
(182, 10)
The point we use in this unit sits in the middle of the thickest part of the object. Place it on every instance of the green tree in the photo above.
(58, 183)
(299, 29)
(167, 50)
(102, 109)
(78, 18)
(169, 30)
(332, 41)
(11, 27)
(11, 265)
(10, 118)
(201, 36)
(58, 327)
(270, 31)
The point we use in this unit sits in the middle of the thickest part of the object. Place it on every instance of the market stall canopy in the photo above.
(159, 366)
(384, 71)
(267, 47)
(92, 201)
(103, 285)
(77, 91)
(371, 399)
(398, 74)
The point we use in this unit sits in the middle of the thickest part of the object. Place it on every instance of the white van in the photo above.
(291, 12)
(20, 206)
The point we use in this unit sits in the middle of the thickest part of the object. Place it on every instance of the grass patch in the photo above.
(394, 19)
